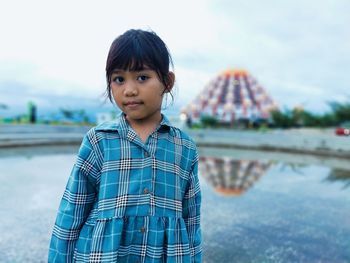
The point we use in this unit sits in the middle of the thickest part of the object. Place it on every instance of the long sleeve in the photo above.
(191, 213)
(77, 201)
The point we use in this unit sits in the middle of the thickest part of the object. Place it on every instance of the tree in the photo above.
(282, 119)
(341, 111)
(3, 106)
(209, 121)
(83, 116)
(69, 114)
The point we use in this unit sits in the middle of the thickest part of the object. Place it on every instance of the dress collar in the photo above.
(122, 126)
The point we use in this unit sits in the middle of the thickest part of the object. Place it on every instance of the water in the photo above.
(271, 211)
(256, 206)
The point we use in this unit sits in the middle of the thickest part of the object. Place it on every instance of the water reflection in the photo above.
(341, 175)
(338, 175)
(231, 177)
(232, 172)
(291, 208)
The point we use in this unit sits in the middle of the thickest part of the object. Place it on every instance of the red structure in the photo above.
(233, 95)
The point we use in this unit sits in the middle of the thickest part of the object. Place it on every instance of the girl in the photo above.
(133, 194)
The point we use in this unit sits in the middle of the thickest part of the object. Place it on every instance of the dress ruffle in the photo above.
(116, 239)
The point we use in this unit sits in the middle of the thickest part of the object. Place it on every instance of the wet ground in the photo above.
(256, 207)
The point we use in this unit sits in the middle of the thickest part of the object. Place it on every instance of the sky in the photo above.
(53, 52)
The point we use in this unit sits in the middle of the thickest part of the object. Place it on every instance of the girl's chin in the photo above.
(135, 117)
(141, 116)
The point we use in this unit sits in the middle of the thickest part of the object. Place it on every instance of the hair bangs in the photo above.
(133, 56)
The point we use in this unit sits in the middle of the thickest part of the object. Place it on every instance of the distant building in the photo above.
(233, 95)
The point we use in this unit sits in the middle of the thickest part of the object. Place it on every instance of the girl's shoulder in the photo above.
(107, 126)
(183, 137)
(179, 136)
(101, 131)
(177, 132)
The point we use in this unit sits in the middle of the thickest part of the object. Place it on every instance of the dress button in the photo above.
(146, 154)
(142, 230)
(145, 191)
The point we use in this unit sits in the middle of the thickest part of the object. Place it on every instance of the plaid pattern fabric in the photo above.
(130, 201)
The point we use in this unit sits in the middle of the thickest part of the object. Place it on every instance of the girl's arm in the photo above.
(76, 203)
(191, 213)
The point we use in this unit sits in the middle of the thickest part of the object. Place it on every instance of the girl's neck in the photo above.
(144, 128)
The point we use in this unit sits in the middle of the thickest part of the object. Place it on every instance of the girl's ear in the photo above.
(170, 82)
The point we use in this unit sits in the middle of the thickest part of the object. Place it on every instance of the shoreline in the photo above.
(308, 142)
(29, 135)
(39, 139)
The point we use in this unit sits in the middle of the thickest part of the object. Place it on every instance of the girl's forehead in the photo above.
(120, 70)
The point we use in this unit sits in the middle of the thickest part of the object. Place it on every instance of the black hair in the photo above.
(136, 49)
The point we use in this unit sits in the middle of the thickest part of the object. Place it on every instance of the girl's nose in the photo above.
(130, 89)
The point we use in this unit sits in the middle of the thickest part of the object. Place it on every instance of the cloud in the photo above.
(294, 48)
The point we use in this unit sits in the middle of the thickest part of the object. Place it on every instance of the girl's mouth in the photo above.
(132, 103)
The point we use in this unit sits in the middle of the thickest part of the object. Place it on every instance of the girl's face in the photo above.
(139, 95)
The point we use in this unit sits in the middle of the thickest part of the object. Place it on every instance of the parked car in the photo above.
(344, 129)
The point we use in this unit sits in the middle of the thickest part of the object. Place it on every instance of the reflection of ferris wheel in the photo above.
(229, 176)
(233, 95)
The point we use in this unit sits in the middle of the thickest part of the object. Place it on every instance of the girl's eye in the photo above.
(142, 78)
(118, 80)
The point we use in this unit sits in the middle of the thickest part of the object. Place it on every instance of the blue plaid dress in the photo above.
(131, 201)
